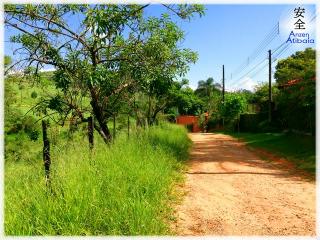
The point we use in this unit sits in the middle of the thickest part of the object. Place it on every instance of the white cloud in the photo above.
(47, 69)
(245, 83)
(192, 86)
(248, 84)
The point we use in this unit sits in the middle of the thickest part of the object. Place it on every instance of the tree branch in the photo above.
(76, 36)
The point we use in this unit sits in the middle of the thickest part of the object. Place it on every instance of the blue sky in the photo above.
(229, 34)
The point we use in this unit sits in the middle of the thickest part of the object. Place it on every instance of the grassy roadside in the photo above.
(124, 189)
(299, 149)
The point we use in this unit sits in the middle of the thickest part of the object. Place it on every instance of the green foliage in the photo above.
(124, 189)
(261, 95)
(10, 95)
(34, 94)
(206, 88)
(187, 102)
(15, 121)
(234, 105)
(211, 96)
(251, 122)
(170, 118)
(114, 52)
(296, 102)
(7, 61)
(56, 104)
(247, 94)
(300, 65)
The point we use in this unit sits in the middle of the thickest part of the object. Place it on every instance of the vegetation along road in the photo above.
(231, 191)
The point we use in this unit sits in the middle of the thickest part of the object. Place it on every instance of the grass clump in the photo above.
(122, 189)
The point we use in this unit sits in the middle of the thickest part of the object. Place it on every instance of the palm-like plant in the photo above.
(207, 87)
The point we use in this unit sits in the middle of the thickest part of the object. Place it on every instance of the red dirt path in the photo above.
(232, 191)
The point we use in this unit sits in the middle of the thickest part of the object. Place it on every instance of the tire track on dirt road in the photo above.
(232, 191)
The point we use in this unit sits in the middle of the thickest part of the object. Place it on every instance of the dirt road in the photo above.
(231, 191)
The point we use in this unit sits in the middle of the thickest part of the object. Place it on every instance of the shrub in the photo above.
(34, 94)
(170, 117)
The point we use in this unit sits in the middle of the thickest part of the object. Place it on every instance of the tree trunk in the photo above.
(102, 134)
(99, 116)
(154, 116)
(153, 120)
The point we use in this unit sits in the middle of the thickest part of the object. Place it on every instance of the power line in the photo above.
(258, 71)
(252, 75)
(262, 45)
(248, 66)
(283, 50)
(247, 73)
(265, 43)
(277, 52)
(254, 55)
(285, 47)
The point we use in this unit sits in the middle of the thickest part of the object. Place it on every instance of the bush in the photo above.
(213, 123)
(33, 135)
(170, 118)
(250, 122)
(17, 122)
(34, 94)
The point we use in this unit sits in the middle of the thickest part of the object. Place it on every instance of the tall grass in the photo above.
(123, 189)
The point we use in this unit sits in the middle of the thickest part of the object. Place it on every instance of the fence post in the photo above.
(90, 132)
(46, 152)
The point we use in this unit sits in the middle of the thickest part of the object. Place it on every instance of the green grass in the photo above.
(300, 149)
(122, 189)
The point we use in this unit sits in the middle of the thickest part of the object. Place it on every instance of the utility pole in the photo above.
(223, 92)
(270, 93)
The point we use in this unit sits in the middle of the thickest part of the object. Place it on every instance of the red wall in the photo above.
(188, 120)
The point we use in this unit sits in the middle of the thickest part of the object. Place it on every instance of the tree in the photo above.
(112, 51)
(184, 98)
(210, 94)
(261, 95)
(233, 106)
(295, 77)
(206, 88)
(300, 65)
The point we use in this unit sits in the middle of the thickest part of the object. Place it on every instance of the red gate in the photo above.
(189, 120)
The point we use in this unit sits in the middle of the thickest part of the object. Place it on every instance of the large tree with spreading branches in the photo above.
(110, 52)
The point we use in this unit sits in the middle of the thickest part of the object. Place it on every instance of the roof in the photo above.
(293, 82)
